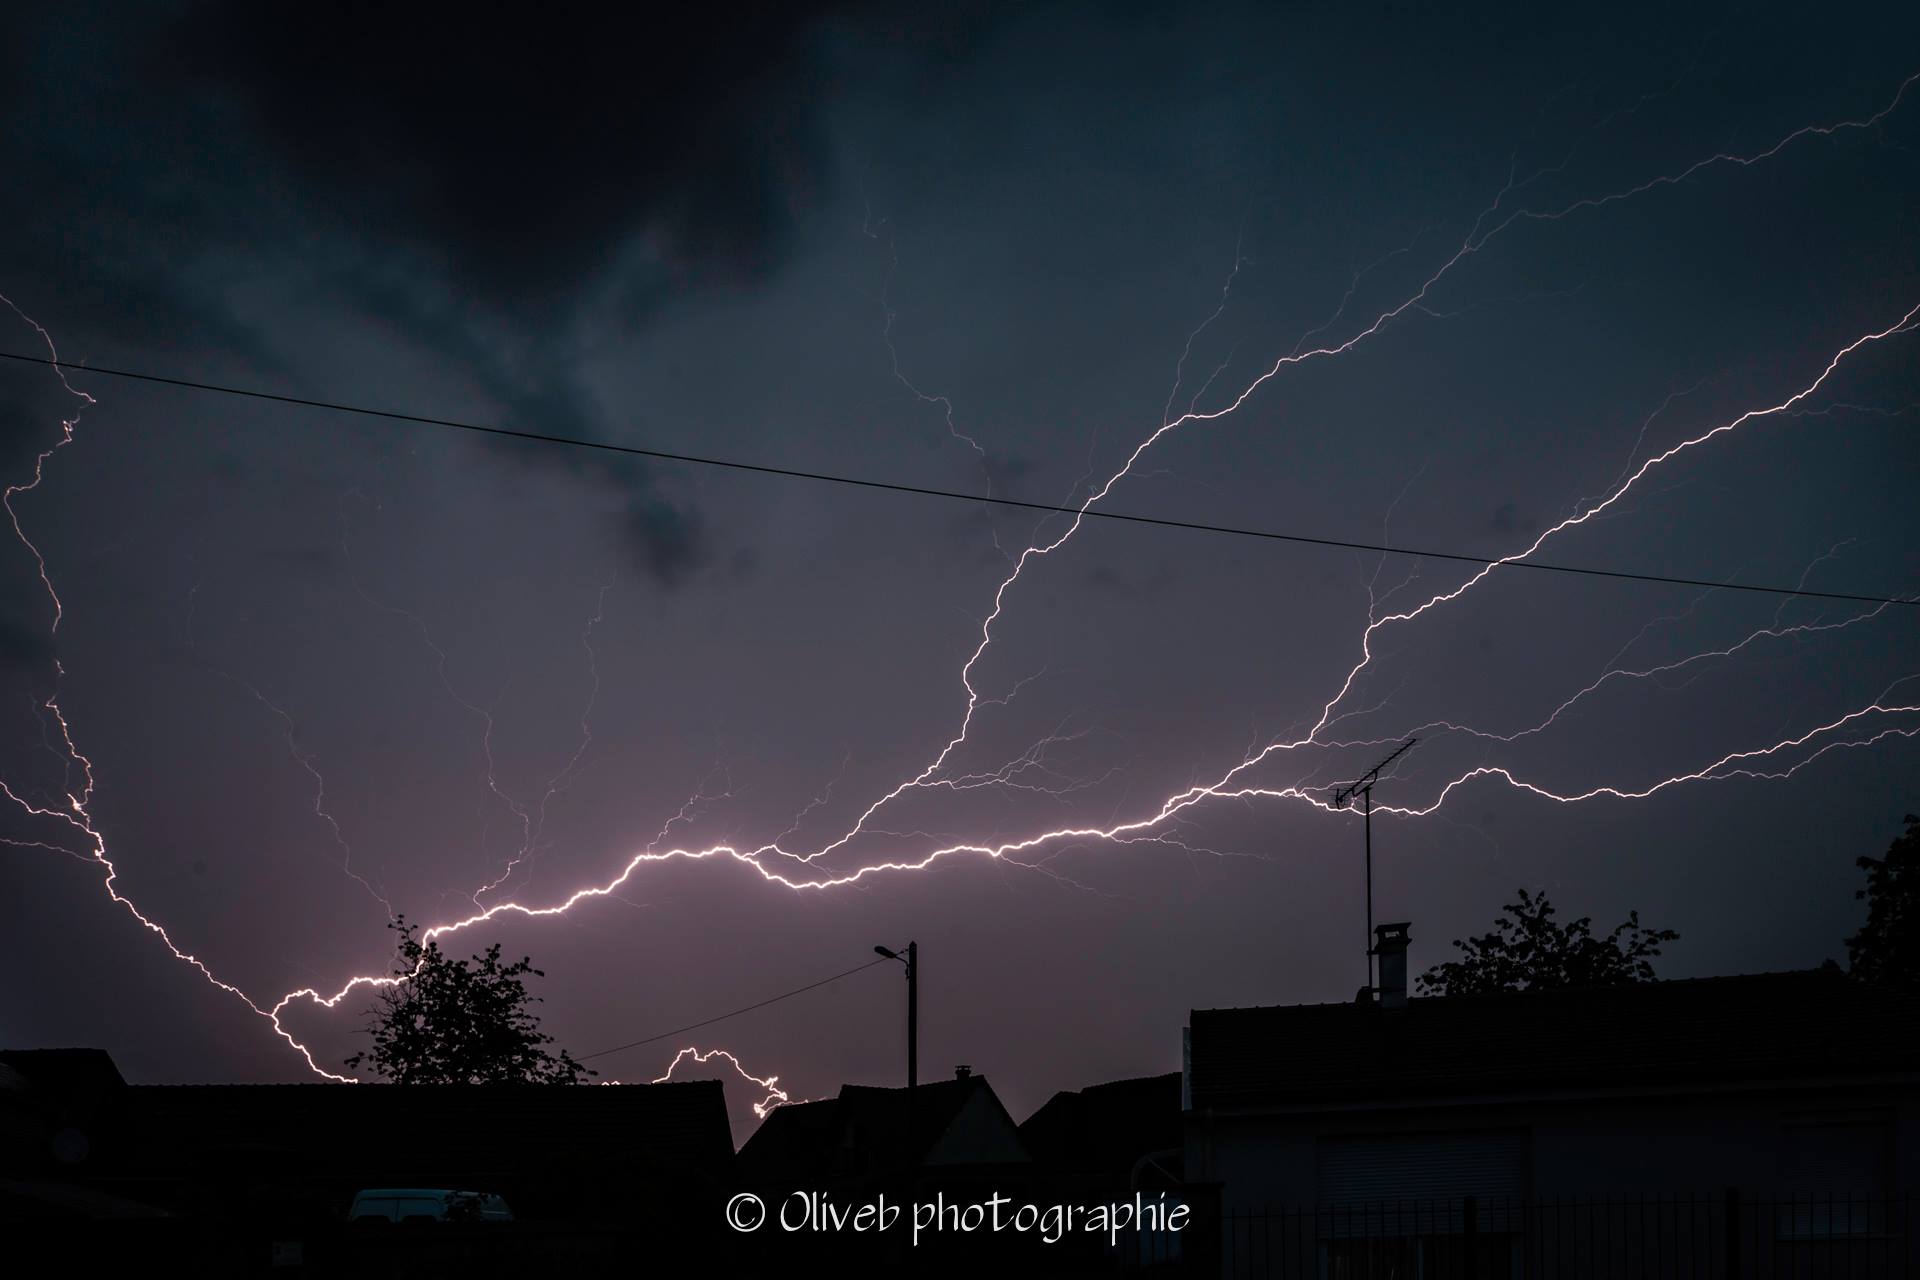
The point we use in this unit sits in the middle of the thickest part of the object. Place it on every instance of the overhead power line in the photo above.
(791, 473)
(695, 1026)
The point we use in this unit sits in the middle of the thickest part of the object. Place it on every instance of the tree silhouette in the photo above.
(1527, 951)
(1886, 950)
(460, 1022)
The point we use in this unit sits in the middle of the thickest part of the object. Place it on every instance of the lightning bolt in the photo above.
(872, 230)
(1158, 823)
(306, 760)
(532, 826)
(773, 1095)
(75, 814)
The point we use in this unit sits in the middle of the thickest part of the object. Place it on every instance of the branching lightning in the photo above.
(306, 760)
(829, 865)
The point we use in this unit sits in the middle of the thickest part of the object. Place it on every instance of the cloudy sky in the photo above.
(325, 666)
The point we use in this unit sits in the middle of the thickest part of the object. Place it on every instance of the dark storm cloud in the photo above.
(459, 178)
(112, 181)
(528, 153)
(523, 160)
(667, 539)
(671, 541)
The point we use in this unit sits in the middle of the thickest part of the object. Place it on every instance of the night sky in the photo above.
(321, 664)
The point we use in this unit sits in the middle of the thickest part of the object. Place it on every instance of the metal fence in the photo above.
(1719, 1236)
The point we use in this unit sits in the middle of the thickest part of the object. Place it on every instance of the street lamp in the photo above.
(911, 959)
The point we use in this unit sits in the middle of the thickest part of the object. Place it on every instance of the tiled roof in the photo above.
(879, 1119)
(1801, 1025)
(792, 1140)
(1106, 1126)
(63, 1070)
(861, 1130)
(465, 1129)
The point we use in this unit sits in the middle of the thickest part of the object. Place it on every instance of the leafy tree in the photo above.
(1886, 950)
(1527, 951)
(460, 1022)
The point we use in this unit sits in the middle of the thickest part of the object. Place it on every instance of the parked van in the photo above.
(412, 1204)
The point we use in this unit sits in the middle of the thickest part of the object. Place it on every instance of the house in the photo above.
(1739, 1094)
(947, 1129)
(1123, 1135)
(250, 1172)
(555, 1152)
(60, 1112)
(56, 1107)
(1104, 1144)
(948, 1139)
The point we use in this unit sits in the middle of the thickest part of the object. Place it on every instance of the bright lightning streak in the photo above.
(1150, 825)
(76, 815)
(774, 1096)
(1712, 772)
(1477, 238)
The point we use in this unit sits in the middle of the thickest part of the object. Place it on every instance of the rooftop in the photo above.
(809, 1137)
(1802, 1025)
(63, 1071)
(1107, 1125)
(679, 1125)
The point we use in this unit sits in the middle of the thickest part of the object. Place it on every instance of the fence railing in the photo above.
(1719, 1236)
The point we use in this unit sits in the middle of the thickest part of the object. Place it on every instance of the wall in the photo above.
(1675, 1144)
(979, 1134)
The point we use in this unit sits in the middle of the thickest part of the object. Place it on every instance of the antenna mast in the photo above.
(1363, 787)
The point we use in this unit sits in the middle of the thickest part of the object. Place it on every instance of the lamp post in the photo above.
(911, 959)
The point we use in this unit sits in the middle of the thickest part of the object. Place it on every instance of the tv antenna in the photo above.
(1363, 787)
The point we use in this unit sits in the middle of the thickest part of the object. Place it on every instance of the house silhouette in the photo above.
(1110, 1138)
(1787, 1103)
(251, 1168)
(56, 1106)
(864, 1133)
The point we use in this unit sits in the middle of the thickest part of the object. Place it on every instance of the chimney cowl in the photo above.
(1390, 945)
(962, 1072)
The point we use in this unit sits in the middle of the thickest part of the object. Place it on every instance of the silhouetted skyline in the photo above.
(322, 666)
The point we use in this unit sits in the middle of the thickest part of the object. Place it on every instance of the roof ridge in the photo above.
(1821, 972)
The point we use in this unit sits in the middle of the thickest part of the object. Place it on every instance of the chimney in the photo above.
(1390, 945)
(962, 1072)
